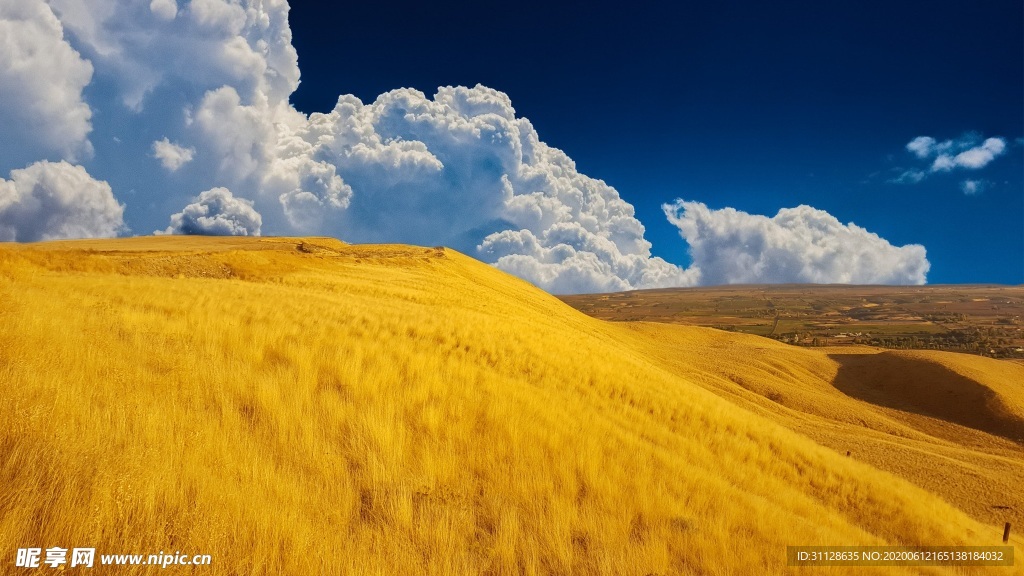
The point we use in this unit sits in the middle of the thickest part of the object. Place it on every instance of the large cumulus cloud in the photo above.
(462, 169)
(195, 100)
(43, 114)
(459, 168)
(797, 245)
(48, 201)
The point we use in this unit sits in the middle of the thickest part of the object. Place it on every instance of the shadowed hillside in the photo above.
(866, 407)
(300, 406)
(925, 386)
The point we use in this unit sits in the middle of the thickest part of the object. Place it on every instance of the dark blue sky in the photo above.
(753, 105)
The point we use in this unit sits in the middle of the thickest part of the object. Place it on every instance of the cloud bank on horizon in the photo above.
(799, 245)
(215, 147)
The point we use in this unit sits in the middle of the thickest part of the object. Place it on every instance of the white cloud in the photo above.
(216, 212)
(462, 169)
(238, 134)
(165, 9)
(242, 43)
(48, 201)
(566, 259)
(966, 152)
(973, 187)
(921, 146)
(973, 158)
(909, 177)
(41, 81)
(262, 145)
(171, 155)
(219, 15)
(799, 244)
(459, 168)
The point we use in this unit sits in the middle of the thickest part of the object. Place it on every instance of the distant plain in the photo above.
(980, 319)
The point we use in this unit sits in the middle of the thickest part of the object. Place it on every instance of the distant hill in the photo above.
(302, 406)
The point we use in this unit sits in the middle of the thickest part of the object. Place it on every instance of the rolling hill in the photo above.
(302, 406)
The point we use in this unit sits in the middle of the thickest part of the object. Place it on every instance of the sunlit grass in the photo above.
(312, 408)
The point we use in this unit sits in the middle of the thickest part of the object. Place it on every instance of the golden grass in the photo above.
(914, 414)
(297, 406)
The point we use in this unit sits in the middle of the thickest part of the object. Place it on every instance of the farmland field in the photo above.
(980, 319)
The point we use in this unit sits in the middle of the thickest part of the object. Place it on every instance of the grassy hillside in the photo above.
(298, 406)
(951, 423)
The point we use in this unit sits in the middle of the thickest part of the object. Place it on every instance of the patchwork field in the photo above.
(301, 406)
(979, 319)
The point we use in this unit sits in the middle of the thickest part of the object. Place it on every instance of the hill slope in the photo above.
(302, 406)
(951, 423)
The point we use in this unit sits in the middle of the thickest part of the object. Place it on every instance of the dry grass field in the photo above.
(300, 406)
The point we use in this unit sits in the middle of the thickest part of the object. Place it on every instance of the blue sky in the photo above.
(754, 105)
(582, 146)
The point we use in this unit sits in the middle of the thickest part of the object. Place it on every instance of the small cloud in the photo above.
(943, 162)
(164, 9)
(908, 177)
(171, 155)
(216, 212)
(973, 187)
(973, 158)
(921, 146)
(966, 152)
